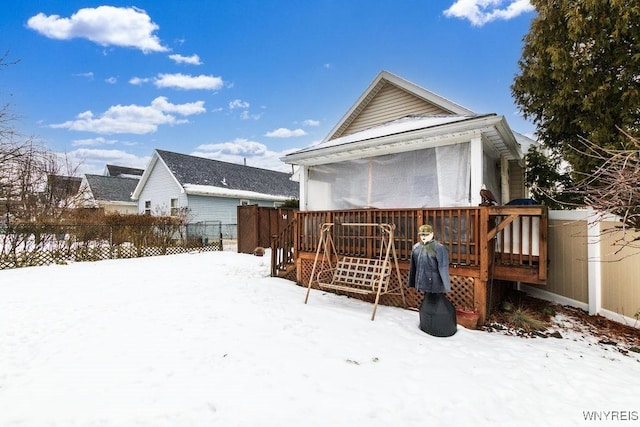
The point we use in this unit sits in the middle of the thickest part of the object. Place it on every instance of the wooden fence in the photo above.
(258, 224)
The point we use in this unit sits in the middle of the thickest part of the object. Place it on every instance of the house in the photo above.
(122, 171)
(403, 146)
(403, 156)
(61, 188)
(208, 190)
(111, 193)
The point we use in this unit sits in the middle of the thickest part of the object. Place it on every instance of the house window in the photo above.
(244, 202)
(174, 207)
(147, 207)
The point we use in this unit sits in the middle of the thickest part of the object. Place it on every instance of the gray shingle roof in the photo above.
(200, 171)
(113, 170)
(111, 188)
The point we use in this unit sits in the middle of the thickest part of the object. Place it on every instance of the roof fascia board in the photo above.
(502, 127)
(147, 173)
(223, 194)
(117, 203)
(145, 176)
(180, 186)
(450, 133)
(393, 148)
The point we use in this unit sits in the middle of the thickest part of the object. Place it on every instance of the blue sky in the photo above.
(240, 79)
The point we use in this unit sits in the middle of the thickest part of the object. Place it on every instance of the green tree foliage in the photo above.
(580, 75)
(547, 179)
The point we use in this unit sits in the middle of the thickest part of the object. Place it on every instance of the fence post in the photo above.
(594, 266)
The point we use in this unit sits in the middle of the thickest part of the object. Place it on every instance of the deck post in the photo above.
(480, 299)
(484, 243)
(542, 256)
(480, 284)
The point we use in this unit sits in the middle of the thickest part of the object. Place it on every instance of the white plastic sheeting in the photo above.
(432, 177)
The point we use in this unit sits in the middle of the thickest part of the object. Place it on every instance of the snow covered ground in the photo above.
(209, 339)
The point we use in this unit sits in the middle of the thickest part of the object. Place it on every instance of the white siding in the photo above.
(516, 180)
(204, 208)
(160, 188)
(390, 103)
(225, 210)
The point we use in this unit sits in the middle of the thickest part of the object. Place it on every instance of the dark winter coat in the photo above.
(429, 267)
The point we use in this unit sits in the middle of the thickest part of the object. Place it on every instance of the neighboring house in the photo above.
(209, 190)
(402, 146)
(61, 188)
(111, 193)
(122, 171)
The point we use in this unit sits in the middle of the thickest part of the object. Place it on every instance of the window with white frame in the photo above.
(244, 202)
(147, 207)
(174, 207)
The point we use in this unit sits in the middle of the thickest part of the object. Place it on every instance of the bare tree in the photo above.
(613, 188)
(27, 200)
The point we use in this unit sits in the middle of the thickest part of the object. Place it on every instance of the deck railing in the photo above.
(282, 249)
(508, 239)
(458, 229)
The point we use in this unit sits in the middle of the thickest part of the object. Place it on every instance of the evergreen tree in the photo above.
(579, 76)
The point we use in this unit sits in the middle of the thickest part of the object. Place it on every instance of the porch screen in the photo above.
(432, 177)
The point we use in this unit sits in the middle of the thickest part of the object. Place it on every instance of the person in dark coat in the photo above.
(429, 265)
(429, 273)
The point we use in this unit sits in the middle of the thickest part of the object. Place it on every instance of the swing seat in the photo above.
(360, 276)
(367, 276)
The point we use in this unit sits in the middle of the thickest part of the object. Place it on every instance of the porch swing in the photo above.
(352, 274)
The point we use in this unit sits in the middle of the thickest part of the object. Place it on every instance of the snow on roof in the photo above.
(209, 190)
(405, 124)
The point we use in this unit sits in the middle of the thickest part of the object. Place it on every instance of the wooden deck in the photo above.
(487, 244)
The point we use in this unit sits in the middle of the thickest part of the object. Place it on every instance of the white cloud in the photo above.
(93, 161)
(134, 119)
(285, 133)
(243, 150)
(187, 82)
(480, 12)
(104, 25)
(238, 147)
(111, 80)
(246, 115)
(88, 75)
(93, 141)
(139, 80)
(311, 123)
(180, 59)
(238, 103)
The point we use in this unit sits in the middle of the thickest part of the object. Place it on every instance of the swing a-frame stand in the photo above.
(367, 276)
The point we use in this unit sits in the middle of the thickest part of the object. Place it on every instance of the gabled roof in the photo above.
(63, 186)
(401, 117)
(127, 172)
(413, 100)
(111, 188)
(198, 175)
